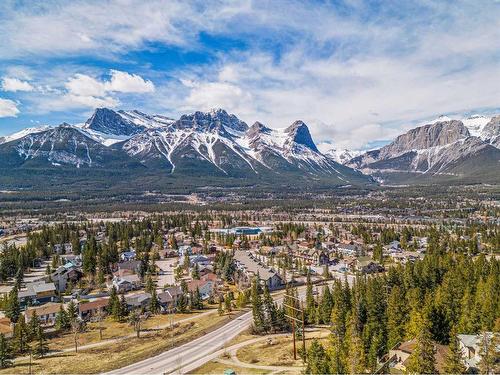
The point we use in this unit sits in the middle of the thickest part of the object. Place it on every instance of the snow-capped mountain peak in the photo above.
(24, 132)
(342, 156)
(299, 133)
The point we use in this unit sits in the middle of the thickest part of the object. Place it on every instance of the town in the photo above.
(77, 291)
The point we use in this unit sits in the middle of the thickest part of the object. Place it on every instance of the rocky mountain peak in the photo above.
(299, 133)
(217, 120)
(107, 121)
(256, 129)
(440, 133)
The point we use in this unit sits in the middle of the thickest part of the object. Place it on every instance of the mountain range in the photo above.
(151, 150)
(446, 149)
(216, 148)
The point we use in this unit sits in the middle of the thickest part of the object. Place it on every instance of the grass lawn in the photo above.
(121, 353)
(279, 352)
(214, 367)
(112, 330)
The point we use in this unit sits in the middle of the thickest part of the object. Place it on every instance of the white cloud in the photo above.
(225, 95)
(84, 85)
(85, 91)
(128, 83)
(105, 28)
(14, 84)
(355, 73)
(69, 101)
(8, 108)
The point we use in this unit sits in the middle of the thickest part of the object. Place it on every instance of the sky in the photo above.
(357, 72)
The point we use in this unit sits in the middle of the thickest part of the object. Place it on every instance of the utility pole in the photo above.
(293, 319)
(303, 331)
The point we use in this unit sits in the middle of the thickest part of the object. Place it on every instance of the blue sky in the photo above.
(357, 72)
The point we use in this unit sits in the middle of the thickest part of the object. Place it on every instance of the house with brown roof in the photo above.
(399, 355)
(46, 313)
(91, 309)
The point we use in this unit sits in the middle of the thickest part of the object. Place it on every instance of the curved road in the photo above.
(195, 353)
(191, 353)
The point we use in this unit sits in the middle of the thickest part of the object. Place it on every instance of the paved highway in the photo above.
(194, 353)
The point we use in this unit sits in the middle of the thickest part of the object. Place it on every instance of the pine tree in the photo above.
(453, 363)
(356, 358)
(220, 310)
(227, 303)
(62, 321)
(257, 308)
(336, 350)
(41, 346)
(182, 303)
(489, 353)
(422, 359)
(469, 321)
(317, 361)
(310, 303)
(71, 312)
(154, 305)
(123, 309)
(195, 274)
(269, 310)
(150, 286)
(326, 271)
(13, 310)
(114, 304)
(378, 253)
(326, 305)
(33, 325)
(198, 300)
(21, 336)
(396, 317)
(5, 352)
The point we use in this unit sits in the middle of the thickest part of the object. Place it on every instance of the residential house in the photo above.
(128, 267)
(184, 250)
(65, 248)
(470, 346)
(65, 274)
(138, 300)
(350, 249)
(46, 313)
(201, 260)
(249, 267)
(398, 356)
(75, 259)
(128, 255)
(366, 265)
(37, 292)
(87, 310)
(318, 257)
(206, 287)
(126, 283)
(168, 298)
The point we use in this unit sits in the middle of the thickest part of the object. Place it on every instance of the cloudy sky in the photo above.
(357, 72)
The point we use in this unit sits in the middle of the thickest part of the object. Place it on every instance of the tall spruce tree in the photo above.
(257, 308)
(13, 310)
(269, 311)
(317, 361)
(422, 359)
(310, 303)
(5, 352)
(453, 362)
